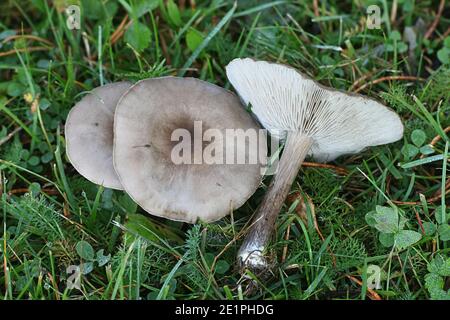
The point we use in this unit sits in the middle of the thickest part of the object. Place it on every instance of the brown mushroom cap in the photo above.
(145, 118)
(89, 134)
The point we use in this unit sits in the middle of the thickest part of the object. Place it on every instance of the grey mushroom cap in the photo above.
(145, 120)
(89, 134)
(285, 100)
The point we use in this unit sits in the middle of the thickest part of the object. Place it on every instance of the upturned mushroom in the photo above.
(313, 120)
(153, 120)
(89, 134)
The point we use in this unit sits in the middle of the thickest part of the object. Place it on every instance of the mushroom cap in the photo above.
(145, 118)
(89, 134)
(283, 99)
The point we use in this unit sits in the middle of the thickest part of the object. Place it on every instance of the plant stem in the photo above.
(251, 252)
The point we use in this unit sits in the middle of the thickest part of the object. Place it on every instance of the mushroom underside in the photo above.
(315, 120)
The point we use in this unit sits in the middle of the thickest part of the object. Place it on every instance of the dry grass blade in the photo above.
(388, 78)
(436, 20)
(372, 294)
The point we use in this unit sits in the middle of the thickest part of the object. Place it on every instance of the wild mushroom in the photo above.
(314, 120)
(89, 134)
(148, 121)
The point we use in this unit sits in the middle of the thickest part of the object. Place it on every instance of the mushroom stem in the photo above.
(251, 253)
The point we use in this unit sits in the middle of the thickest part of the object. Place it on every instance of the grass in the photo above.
(330, 242)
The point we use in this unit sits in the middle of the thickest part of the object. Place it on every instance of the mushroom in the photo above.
(313, 120)
(147, 122)
(89, 134)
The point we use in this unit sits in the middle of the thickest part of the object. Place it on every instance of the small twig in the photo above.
(120, 30)
(164, 49)
(388, 78)
(388, 183)
(10, 135)
(446, 33)
(66, 210)
(339, 170)
(419, 221)
(431, 200)
(438, 137)
(286, 238)
(372, 294)
(316, 8)
(87, 48)
(29, 49)
(25, 190)
(435, 140)
(55, 286)
(394, 11)
(5, 264)
(358, 81)
(436, 20)
(27, 36)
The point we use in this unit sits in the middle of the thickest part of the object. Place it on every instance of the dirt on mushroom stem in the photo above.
(252, 254)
